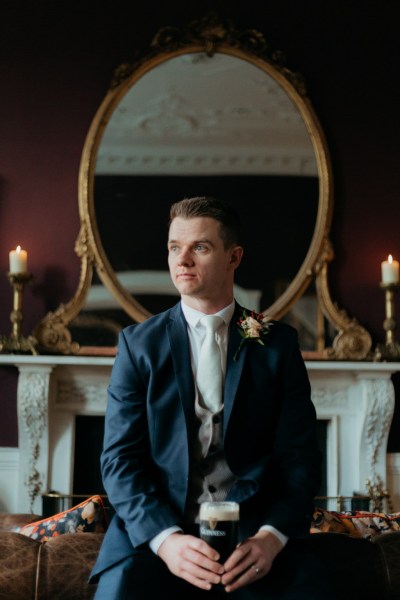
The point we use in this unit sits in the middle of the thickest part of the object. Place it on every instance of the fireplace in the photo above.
(354, 400)
(88, 443)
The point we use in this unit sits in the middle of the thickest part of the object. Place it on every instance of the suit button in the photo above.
(212, 489)
(205, 465)
(213, 448)
(216, 419)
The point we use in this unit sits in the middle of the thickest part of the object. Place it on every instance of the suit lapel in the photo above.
(180, 351)
(234, 368)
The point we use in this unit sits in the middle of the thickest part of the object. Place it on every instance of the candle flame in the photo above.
(18, 249)
(390, 258)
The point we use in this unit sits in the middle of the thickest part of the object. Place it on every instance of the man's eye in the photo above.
(199, 248)
(173, 248)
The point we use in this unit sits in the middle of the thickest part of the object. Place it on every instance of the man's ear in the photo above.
(236, 256)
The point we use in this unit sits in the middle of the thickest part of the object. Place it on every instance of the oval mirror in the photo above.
(217, 124)
(208, 112)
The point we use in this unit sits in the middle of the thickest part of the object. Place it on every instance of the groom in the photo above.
(166, 449)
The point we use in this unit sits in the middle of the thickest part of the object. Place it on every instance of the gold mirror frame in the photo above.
(209, 36)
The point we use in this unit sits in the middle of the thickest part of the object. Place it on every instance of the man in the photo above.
(166, 450)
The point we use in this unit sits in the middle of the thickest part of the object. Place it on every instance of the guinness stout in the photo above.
(219, 524)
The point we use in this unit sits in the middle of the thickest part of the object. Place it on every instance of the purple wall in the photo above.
(55, 71)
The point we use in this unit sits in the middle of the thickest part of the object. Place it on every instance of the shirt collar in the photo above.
(193, 316)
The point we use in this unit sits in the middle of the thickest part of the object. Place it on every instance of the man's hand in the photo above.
(251, 560)
(191, 559)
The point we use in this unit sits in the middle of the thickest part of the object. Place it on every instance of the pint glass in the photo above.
(219, 524)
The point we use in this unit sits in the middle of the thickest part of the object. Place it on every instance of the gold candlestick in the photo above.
(390, 350)
(16, 343)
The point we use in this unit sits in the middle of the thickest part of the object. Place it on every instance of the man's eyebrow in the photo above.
(205, 241)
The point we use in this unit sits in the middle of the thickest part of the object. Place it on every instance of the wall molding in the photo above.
(9, 472)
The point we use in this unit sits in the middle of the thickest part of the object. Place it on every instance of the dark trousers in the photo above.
(297, 574)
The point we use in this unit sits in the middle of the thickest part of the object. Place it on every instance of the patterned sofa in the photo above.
(53, 561)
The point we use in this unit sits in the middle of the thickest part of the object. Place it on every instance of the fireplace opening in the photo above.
(89, 433)
(322, 433)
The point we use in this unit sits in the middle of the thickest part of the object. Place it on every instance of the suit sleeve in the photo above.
(129, 475)
(296, 451)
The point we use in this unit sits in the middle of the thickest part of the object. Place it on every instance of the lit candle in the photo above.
(18, 260)
(390, 270)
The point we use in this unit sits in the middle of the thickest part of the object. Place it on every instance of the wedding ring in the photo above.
(255, 569)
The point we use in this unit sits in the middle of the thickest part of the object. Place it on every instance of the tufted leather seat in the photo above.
(59, 569)
(56, 570)
(19, 559)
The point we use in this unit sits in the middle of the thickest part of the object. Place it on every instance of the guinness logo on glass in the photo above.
(219, 523)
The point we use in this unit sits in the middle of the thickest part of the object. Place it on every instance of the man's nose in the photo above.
(185, 257)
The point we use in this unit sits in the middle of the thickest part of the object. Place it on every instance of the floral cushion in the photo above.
(360, 524)
(89, 515)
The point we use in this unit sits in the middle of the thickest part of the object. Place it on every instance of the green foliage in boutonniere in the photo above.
(252, 326)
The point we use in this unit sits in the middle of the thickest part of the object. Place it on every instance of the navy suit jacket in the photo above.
(269, 432)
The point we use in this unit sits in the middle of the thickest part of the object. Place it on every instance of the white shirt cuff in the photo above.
(156, 542)
(281, 537)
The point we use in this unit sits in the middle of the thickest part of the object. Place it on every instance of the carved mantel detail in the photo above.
(83, 393)
(330, 397)
(380, 399)
(33, 402)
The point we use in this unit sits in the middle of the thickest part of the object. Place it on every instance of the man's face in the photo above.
(200, 266)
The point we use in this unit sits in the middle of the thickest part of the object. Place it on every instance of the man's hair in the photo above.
(208, 206)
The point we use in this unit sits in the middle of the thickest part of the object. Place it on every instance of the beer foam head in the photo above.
(221, 511)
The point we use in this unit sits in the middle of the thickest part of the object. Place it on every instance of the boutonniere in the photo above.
(252, 327)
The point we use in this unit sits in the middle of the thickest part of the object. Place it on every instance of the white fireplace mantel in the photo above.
(356, 398)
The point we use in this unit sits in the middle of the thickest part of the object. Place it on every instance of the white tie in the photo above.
(209, 372)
